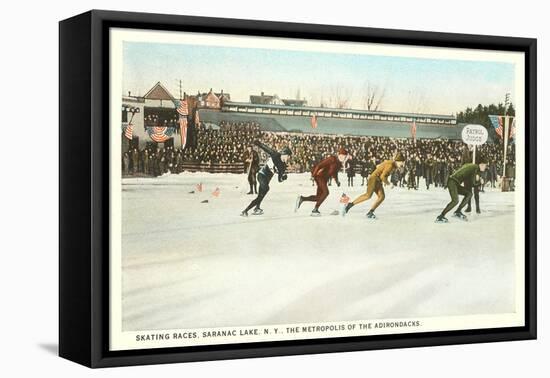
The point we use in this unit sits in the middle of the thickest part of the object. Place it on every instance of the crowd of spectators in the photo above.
(151, 161)
(432, 159)
(222, 144)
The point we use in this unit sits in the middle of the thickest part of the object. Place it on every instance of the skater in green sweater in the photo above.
(466, 173)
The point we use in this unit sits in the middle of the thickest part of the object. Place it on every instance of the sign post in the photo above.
(474, 135)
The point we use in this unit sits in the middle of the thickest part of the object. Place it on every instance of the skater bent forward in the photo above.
(465, 174)
(327, 169)
(374, 185)
(276, 163)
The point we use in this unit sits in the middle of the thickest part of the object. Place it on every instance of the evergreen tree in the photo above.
(480, 115)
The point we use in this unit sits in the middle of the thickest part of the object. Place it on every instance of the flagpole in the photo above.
(505, 146)
(506, 100)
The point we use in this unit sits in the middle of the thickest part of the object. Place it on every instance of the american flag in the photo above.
(183, 131)
(413, 130)
(129, 131)
(344, 199)
(216, 193)
(314, 121)
(183, 108)
(496, 121)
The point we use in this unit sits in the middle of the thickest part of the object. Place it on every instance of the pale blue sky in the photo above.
(410, 84)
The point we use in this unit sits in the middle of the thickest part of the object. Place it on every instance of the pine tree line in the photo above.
(480, 115)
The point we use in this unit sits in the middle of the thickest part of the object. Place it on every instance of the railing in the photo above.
(221, 167)
(213, 167)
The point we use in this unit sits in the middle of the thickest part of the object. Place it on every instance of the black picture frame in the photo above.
(84, 187)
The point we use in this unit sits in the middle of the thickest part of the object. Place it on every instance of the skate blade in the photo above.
(315, 215)
(441, 221)
(297, 205)
(257, 213)
(460, 218)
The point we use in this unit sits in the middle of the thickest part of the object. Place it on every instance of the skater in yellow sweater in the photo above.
(377, 179)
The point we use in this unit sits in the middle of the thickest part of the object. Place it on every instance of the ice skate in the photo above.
(441, 219)
(370, 215)
(257, 211)
(478, 211)
(468, 210)
(244, 214)
(347, 208)
(459, 215)
(315, 213)
(299, 201)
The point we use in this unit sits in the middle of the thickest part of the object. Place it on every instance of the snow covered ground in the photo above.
(187, 264)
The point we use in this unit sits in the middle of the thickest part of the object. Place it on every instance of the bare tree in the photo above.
(373, 96)
(340, 97)
(417, 101)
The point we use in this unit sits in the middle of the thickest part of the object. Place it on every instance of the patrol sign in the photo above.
(474, 134)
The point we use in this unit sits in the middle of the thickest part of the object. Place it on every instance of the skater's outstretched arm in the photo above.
(271, 152)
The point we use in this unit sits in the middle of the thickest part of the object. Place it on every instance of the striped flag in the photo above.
(413, 131)
(496, 121)
(129, 131)
(160, 133)
(183, 131)
(216, 193)
(314, 121)
(183, 111)
(183, 108)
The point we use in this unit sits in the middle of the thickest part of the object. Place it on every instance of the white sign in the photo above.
(474, 134)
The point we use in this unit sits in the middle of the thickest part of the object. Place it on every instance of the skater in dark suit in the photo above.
(276, 163)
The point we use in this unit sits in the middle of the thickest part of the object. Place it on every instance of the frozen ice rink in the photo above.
(187, 264)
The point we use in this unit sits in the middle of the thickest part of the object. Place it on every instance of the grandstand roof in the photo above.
(339, 126)
(355, 111)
